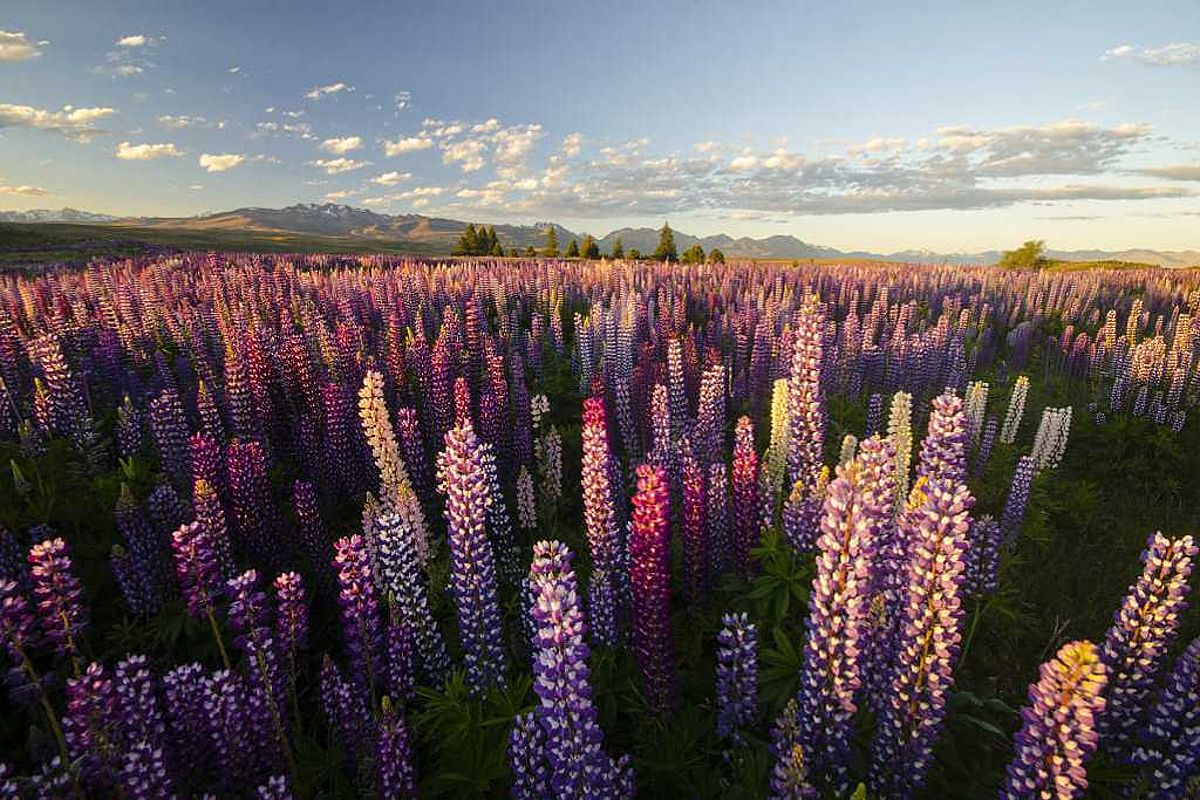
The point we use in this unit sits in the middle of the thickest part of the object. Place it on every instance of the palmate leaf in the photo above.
(780, 676)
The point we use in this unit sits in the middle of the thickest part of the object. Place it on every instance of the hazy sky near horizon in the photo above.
(881, 126)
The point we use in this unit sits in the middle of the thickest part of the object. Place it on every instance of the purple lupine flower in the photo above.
(561, 679)
(166, 510)
(499, 523)
(361, 624)
(135, 585)
(398, 645)
(345, 710)
(397, 558)
(737, 675)
(462, 479)
(408, 429)
(744, 476)
(983, 556)
(1018, 499)
(694, 533)
(254, 516)
(130, 424)
(805, 410)
(148, 564)
(600, 523)
(650, 579)
(717, 517)
(789, 777)
(169, 426)
(143, 774)
(9, 789)
(1142, 632)
(196, 568)
(1058, 726)
(138, 715)
(526, 759)
(927, 640)
(13, 566)
(987, 443)
(874, 415)
(1169, 748)
(943, 451)
(314, 537)
(88, 725)
(19, 632)
(249, 613)
(276, 788)
(227, 721)
(59, 597)
(189, 738)
(857, 507)
(291, 620)
(53, 781)
(206, 459)
(395, 773)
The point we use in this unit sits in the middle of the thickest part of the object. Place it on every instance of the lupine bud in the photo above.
(650, 576)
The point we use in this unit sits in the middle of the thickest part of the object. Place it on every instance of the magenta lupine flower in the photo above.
(291, 614)
(650, 579)
(805, 413)
(138, 716)
(526, 759)
(397, 558)
(1058, 726)
(573, 740)
(744, 476)
(1169, 748)
(694, 532)
(1142, 632)
(361, 624)
(462, 402)
(210, 415)
(600, 523)
(169, 426)
(197, 568)
(1017, 501)
(717, 517)
(210, 515)
(737, 676)
(857, 507)
(58, 596)
(395, 773)
(206, 459)
(943, 451)
(926, 640)
(463, 481)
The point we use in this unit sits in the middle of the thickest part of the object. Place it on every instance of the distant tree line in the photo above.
(483, 241)
(479, 242)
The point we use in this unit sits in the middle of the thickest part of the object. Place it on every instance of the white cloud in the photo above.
(391, 178)
(1175, 54)
(24, 190)
(146, 152)
(15, 47)
(468, 154)
(743, 163)
(317, 92)
(134, 40)
(1175, 172)
(571, 145)
(342, 145)
(221, 162)
(336, 166)
(74, 123)
(403, 100)
(177, 121)
(406, 144)
(196, 187)
(335, 197)
(234, 70)
(707, 147)
(300, 130)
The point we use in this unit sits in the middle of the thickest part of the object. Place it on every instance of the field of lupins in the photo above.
(313, 526)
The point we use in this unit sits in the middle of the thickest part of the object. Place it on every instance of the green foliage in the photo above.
(634, 254)
(666, 245)
(589, 249)
(693, 255)
(572, 250)
(715, 256)
(618, 249)
(1028, 256)
(551, 248)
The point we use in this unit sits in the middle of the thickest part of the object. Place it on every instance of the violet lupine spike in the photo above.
(1143, 629)
(737, 676)
(499, 523)
(210, 516)
(361, 623)
(600, 523)
(717, 518)
(276, 788)
(744, 476)
(137, 713)
(573, 746)
(291, 615)
(857, 508)
(398, 563)
(400, 679)
(1017, 502)
(58, 597)
(926, 643)
(345, 710)
(694, 533)
(88, 726)
(462, 480)
(169, 426)
(189, 739)
(987, 443)
(143, 774)
(314, 536)
(1058, 726)
(254, 515)
(249, 613)
(226, 716)
(983, 556)
(19, 634)
(943, 451)
(205, 458)
(197, 569)
(650, 579)
(805, 411)
(789, 777)
(526, 759)
(1168, 752)
(395, 773)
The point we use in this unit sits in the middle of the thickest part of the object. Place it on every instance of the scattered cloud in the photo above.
(24, 190)
(135, 40)
(342, 145)
(1176, 54)
(336, 166)
(130, 57)
(177, 121)
(337, 197)
(468, 154)
(403, 100)
(406, 144)
(572, 143)
(222, 162)
(298, 130)
(74, 123)
(317, 92)
(391, 178)
(1174, 172)
(14, 46)
(147, 152)
(234, 70)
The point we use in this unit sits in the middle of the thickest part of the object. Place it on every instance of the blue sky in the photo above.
(879, 126)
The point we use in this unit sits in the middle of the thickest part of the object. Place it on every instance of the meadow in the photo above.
(319, 525)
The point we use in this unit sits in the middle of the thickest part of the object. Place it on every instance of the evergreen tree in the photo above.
(589, 249)
(468, 243)
(715, 256)
(572, 250)
(666, 245)
(497, 248)
(530, 252)
(693, 255)
(618, 250)
(551, 250)
(635, 254)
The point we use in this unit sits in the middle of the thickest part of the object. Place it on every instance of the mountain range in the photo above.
(434, 234)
